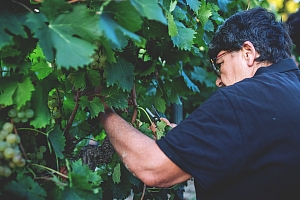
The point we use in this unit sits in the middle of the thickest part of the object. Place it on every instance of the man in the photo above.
(244, 141)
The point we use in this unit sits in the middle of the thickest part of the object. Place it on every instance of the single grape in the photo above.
(17, 158)
(42, 149)
(11, 138)
(56, 114)
(16, 119)
(4, 133)
(7, 171)
(21, 114)
(103, 58)
(21, 163)
(8, 153)
(39, 155)
(24, 120)
(12, 113)
(3, 145)
(7, 126)
(96, 57)
(17, 151)
(29, 113)
(11, 164)
(94, 65)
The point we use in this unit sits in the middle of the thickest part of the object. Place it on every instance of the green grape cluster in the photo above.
(37, 157)
(98, 57)
(10, 154)
(21, 115)
(34, 153)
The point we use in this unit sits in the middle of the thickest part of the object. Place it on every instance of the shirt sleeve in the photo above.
(202, 144)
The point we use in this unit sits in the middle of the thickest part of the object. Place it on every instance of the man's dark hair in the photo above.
(294, 23)
(270, 38)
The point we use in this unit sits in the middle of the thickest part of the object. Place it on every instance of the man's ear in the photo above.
(249, 53)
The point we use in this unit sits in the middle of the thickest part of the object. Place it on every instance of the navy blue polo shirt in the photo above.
(244, 141)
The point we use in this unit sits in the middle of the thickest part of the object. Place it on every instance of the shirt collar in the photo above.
(283, 65)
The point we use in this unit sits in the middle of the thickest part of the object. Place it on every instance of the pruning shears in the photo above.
(154, 115)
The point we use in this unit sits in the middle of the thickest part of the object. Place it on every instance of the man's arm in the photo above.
(140, 154)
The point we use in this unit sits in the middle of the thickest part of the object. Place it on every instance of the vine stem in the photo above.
(21, 146)
(52, 170)
(68, 136)
(31, 129)
(135, 105)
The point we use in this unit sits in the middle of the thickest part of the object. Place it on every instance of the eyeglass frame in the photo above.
(216, 67)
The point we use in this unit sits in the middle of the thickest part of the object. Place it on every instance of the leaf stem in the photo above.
(31, 129)
(49, 169)
(145, 113)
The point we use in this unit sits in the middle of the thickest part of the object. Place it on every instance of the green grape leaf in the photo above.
(116, 175)
(201, 75)
(80, 129)
(209, 26)
(180, 14)
(7, 89)
(121, 74)
(39, 101)
(160, 129)
(57, 140)
(194, 4)
(83, 177)
(145, 128)
(78, 78)
(84, 183)
(93, 76)
(149, 9)
(25, 187)
(39, 64)
(116, 33)
(115, 98)
(107, 50)
(172, 25)
(125, 14)
(160, 103)
(11, 22)
(189, 83)
(15, 92)
(95, 106)
(52, 8)
(204, 13)
(79, 194)
(184, 39)
(37, 22)
(70, 34)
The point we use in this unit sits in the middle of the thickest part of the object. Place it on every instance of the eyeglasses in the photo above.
(216, 66)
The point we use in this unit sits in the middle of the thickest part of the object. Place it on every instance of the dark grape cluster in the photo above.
(10, 154)
(21, 115)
